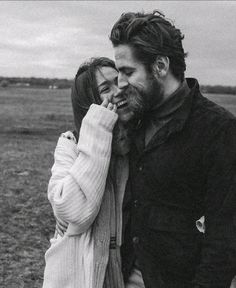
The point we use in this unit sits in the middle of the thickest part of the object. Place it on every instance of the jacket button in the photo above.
(135, 240)
(140, 168)
(135, 203)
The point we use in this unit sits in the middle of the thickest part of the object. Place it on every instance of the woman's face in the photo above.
(106, 78)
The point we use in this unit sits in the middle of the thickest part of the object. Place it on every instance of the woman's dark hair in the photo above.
(85, 90)
(151, 35)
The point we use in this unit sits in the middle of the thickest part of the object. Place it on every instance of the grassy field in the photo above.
(31, 121)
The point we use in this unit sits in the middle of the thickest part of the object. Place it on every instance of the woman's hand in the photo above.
(109, 105)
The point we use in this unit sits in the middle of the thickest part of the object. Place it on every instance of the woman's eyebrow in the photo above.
(104, 82)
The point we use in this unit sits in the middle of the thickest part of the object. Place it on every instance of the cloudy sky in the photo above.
(52, 38)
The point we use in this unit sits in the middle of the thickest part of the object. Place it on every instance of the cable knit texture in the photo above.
(78, 192)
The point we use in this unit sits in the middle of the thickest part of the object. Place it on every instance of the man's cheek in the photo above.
(137, 102)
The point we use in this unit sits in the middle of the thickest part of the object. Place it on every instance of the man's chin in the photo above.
(125, 116)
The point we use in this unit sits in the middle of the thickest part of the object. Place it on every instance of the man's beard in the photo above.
(136, 100)
(141, 101)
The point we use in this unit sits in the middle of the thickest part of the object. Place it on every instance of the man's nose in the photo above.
(122, 81)
(117, 91)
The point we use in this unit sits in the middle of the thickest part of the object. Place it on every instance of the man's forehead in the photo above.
(123, 52)
(125, 59)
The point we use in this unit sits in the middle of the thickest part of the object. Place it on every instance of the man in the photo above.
(182, 164)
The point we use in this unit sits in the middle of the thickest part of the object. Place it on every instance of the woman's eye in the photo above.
(105, 90)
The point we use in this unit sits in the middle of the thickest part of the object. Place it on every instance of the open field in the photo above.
(31, 121)
(227, 101)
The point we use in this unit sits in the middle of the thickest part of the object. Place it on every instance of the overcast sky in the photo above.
(52, 38)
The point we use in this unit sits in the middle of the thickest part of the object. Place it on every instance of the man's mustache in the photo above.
(136, 99)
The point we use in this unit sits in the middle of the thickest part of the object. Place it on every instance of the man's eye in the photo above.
(128, 73)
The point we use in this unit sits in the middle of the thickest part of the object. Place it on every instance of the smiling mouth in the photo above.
(121, 104)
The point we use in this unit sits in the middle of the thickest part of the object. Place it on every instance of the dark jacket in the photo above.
(186, 171)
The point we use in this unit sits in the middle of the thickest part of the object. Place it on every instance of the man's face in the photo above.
(142, 89)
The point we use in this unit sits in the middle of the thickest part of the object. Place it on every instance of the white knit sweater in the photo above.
(75, 191)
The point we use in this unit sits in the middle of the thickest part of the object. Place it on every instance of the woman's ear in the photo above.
(161, 66)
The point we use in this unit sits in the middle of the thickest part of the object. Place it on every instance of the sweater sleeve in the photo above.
(79, 172)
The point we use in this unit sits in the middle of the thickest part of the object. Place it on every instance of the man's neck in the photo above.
(170, 86)
(164, 112)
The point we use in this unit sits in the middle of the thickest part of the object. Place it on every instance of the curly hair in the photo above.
(150, 35)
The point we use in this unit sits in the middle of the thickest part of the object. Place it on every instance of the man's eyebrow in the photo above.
(124, 68)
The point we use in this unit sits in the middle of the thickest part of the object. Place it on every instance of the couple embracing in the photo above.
(150, 161)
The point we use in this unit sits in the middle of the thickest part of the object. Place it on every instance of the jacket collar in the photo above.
(174, 112)
(171, 105)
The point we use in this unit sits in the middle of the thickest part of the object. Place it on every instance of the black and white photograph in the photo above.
(118, 144)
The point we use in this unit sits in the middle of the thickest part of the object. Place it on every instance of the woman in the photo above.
(87, 185)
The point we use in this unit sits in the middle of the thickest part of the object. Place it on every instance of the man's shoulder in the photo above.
(210, 113)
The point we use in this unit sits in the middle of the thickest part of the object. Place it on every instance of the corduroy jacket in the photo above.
(187, 170)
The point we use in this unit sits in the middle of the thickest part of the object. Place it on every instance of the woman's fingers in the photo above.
(109, 105)
(114, 108)
(105, 102)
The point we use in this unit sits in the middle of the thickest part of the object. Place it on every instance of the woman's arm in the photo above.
(79, 173)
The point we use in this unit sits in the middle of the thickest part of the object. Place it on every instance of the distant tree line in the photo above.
(55, 83)
(218, 89)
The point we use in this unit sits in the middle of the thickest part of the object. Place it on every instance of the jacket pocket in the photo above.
(165, 219)
(174, 240)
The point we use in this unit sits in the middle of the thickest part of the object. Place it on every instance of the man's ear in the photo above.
(161, 66)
